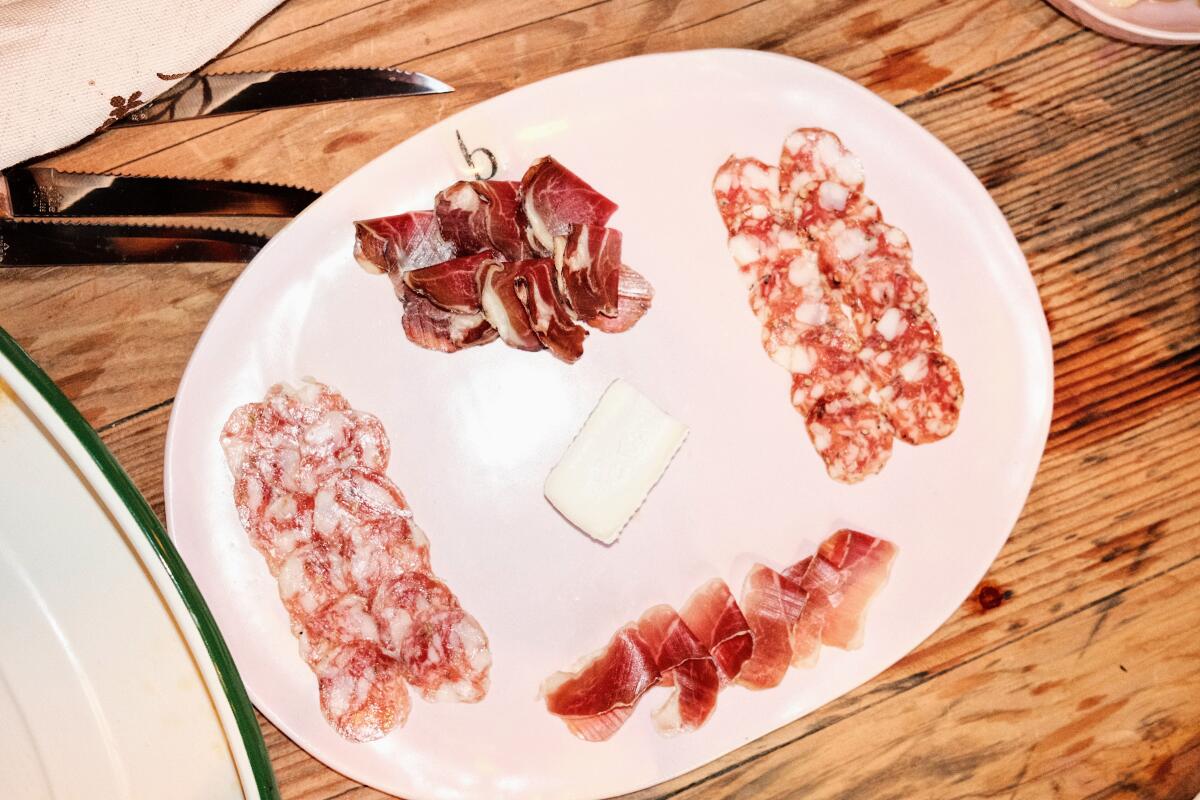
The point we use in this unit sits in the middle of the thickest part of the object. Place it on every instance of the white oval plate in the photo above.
(475, 433)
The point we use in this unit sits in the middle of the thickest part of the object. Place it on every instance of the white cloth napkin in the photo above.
(69, 67)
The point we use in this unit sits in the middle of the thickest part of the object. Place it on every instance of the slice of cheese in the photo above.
(611, 466)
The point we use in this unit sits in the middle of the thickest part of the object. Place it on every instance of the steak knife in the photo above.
(238, 92)
(47, 244)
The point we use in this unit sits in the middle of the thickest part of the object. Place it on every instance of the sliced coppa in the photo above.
(536, 285)
(596, 697)
(363, 694)
(441, 649)
(771, 604)
(553, 198)
(713, 615)
(401, 242)
(504, 309)
(684, 663)
(483, 215)
(864, 562)
(454, 284)
(588, 260)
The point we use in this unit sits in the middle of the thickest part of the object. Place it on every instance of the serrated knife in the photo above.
(49, 244)
(239, 92)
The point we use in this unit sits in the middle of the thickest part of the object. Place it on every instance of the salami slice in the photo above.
(853, 437)
(276, 519)
(747, 195)
(342, 621)
(363, 695)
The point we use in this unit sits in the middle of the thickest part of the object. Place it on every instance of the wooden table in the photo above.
(1075, 670)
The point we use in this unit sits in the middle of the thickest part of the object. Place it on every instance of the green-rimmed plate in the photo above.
(114, 680)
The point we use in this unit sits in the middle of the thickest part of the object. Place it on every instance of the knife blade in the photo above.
(47, 244)
(237, 92)
(46, 192)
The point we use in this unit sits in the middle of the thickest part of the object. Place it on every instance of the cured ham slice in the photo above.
(588, 260)
(434, 328)
(634, 296)
(483, 215)
(771, 604)
(536, 285)
(503, 308)
(822, 582)
(685, 663)
(363, 695)
(713, 615)
(401, 242)
(864, 562)
(596, 697)
(441, 649)
(553, 198)
(454, 284)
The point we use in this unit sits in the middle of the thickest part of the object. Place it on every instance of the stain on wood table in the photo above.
(1074, 670)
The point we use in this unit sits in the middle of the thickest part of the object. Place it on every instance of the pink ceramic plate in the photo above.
(1147, 22)
(475, 433)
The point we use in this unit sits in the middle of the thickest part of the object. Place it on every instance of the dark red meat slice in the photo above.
(634, 296)
(589, 264)
(536, 285)
(713, 615)
(504, 310)
(771, 604)
(483, 215)
(554, 198)
(596, 698)
(683, 662)
(435, 328)
(453, 284)
(400, 242)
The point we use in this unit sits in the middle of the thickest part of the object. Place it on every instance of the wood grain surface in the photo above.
(1074, 671)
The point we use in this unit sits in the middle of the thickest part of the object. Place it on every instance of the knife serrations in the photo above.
(239, 92)
(46, 192)
(45, 244)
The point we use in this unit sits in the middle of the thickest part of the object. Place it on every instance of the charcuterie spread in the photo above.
(353, 567)
(530, 263)
(714, 641)
(841, 307)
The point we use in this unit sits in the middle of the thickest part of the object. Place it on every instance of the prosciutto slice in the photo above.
(684, 663)
(434, 328)
(864, 563)
(823, 583)
(454, 284)
(483, 215)
(771, 604)
(536, 286)
(713, 615)
(502, 307)
(589, 267)
(553, 198)
(596, 697)
(400, 242)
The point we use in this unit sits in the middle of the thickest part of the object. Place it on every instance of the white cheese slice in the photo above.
(611, 466)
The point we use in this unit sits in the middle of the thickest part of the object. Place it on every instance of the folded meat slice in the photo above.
(454, 284)
(822, 582)
(684, 663)
(504, 309)
(771, 604)
(434, 328)
(599, 693)
(553, 198)
(483, 215)
(713, 615)
(864, 563)
(536, 286)
(400, 242)
(634, 296)
(588, 259)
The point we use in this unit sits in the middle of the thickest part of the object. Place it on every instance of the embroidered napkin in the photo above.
(69, 68)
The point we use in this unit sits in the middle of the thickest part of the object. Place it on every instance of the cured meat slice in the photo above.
(442, 650)
(276, 519)
(747, 195)
(924, 399)
(537, 287)
(771, 604)
(852, 436)
(344, 620)
(553, 198)
(846, 245)
(821, 181)
(362, 692)
(634, 296)
(483, 215)
(434, 328)
(596, 696)
(504, 309)
(756, 249)
(311, 577)
(823, 583)
(882, 284)
(454, 284)
(713, 615)
(401, 242)
(588, 260)
(683, 662)
(864, 562)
